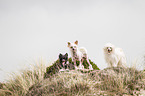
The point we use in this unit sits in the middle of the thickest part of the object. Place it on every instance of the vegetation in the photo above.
(110, 81)
(53, 69)
(19, 83)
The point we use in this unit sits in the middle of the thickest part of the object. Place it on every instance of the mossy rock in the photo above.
(54, 68)
(85, 63)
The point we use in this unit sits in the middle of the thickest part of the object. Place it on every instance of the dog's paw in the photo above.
(61, 70)
(67, 69)
(90, 67)
(81, 67)
(76, 68)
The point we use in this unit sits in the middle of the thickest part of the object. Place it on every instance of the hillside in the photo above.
(109, 82)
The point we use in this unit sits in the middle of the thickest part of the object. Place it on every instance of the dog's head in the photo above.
(109, 48)
(63, 58)
(73, 46)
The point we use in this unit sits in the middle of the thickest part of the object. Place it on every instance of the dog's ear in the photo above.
(76, 42)
(66, 54)
(60, 55)
(68, 44)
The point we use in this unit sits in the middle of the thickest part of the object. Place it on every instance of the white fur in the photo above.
(78, 54)
(116, 58)
(83, 52)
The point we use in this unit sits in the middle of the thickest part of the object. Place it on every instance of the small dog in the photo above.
(114, 56)
(62, 64)
(78, 54)
(63, 61)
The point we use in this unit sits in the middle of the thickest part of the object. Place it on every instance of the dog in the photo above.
(114, 56)
(78, 54)
(64, 64)
(63, 61)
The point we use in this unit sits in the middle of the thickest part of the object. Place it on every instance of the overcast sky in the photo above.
(30, 29)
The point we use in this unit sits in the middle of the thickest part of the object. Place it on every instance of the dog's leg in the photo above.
(114, 64)
(61, 68)
(76, 68)
(81, 64)
(67, 66)
(90, 66)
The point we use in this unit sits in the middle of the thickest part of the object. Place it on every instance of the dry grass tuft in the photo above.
(63, 84)
(19, 83)
(120, 81)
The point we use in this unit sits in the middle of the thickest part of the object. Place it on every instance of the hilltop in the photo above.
(110, 81)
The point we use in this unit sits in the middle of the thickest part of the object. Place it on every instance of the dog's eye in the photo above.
(71, 47)
(75, 47)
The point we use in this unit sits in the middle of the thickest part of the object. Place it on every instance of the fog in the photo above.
(30, 30)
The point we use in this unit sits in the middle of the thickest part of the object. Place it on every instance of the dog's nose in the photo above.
(109, 49)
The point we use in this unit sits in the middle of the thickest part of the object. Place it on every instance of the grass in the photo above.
(120, 81)
(63, 84)
(109, 81)
(19, 83)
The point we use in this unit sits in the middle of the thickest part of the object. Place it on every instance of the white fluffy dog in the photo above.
(114, 56)
(78, 54)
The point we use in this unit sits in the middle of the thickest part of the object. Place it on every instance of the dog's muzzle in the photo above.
(109, 50)
(63, 61)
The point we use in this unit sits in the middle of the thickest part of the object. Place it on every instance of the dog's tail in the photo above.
(83, 51)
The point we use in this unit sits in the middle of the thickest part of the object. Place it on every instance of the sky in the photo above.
(31, 30)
